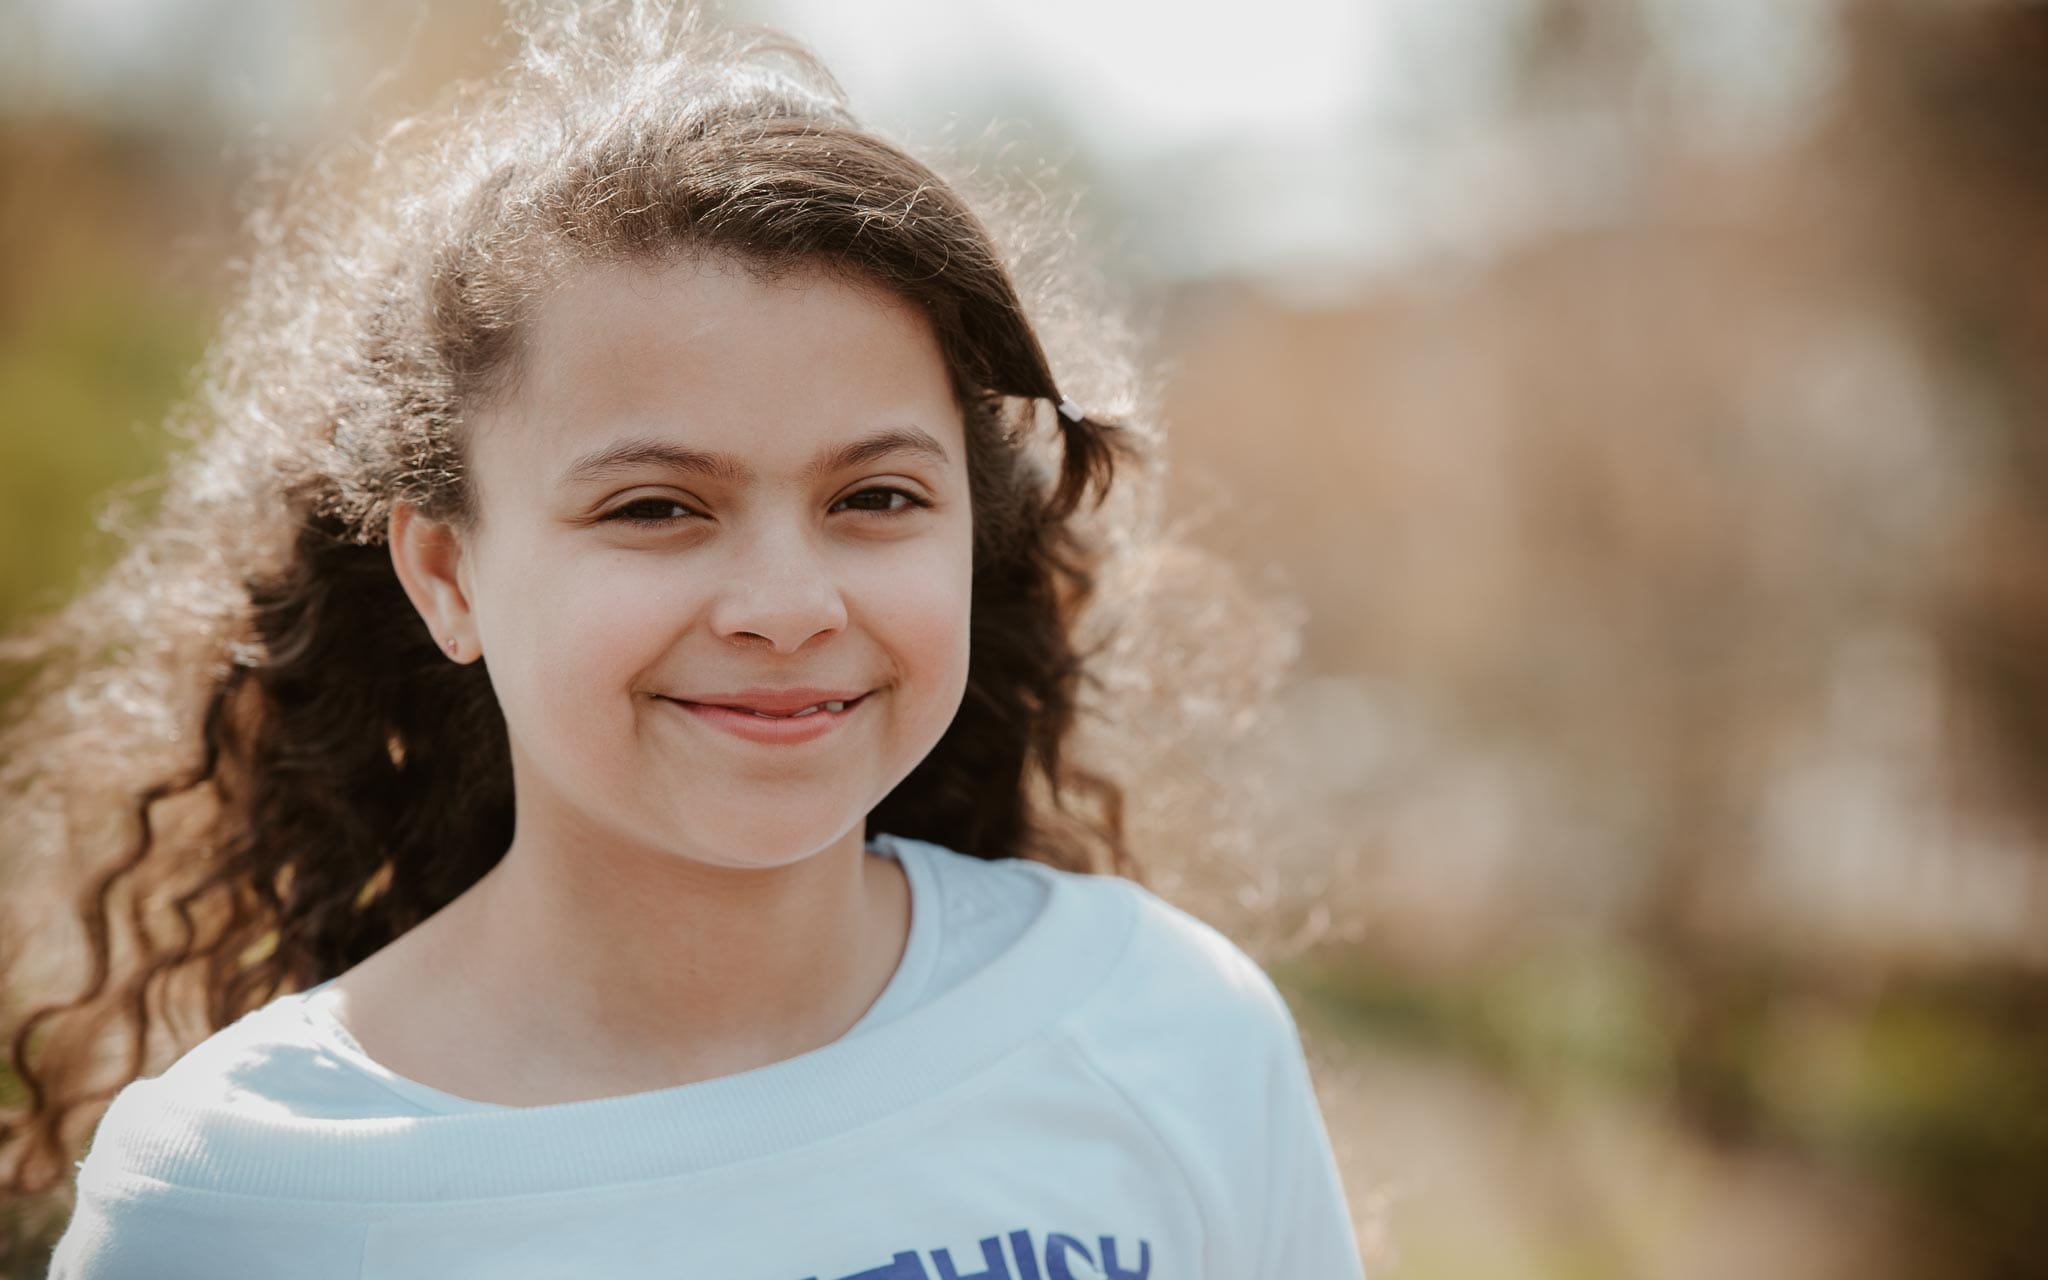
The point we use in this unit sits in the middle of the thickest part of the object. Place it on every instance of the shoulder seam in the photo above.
(1159, 1138)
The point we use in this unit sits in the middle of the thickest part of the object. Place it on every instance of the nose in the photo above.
(779, 590)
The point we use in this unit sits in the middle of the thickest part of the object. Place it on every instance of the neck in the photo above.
(692, 968)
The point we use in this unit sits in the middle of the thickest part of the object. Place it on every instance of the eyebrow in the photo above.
(643, 451)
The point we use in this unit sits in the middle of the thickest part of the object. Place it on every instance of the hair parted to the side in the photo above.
(240, 756)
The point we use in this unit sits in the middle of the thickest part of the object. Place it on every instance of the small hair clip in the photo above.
(1071, 411)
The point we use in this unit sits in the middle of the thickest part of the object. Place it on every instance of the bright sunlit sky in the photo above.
(1139, 75)
(1315, 138)
(1237, 138)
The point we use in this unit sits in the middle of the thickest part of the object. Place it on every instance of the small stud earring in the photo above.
(453, 645)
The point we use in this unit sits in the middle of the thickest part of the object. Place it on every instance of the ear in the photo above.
(428, 556)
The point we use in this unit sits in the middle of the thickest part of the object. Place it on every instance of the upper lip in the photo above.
(776, 701)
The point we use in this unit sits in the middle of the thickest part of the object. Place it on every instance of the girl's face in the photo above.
(705, 489)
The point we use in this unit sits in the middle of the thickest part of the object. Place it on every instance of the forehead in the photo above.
(711, 354)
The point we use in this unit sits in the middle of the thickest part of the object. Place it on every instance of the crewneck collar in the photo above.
(221, 1146)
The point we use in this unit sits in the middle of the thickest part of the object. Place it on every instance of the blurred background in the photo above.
(1640, 405)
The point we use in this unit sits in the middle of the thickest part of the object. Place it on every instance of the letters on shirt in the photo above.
(1064, 1257)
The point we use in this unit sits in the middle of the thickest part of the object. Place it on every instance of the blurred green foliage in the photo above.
(1931, 1086)
(86, 376)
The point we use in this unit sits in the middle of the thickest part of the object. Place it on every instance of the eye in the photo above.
(910, 501)
(650, 511)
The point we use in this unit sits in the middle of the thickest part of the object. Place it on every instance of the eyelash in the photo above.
(618, 514)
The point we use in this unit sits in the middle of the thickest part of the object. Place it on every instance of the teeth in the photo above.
(795, 715)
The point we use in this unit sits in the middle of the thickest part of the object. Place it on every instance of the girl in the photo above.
(620, 638)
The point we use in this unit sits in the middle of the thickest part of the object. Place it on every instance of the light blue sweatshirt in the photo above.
(1068, 1079)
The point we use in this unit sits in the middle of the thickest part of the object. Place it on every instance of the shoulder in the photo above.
(213, 1107)
(1179, 970)
(171, 1184)
(272, 1060)
(1165, 967)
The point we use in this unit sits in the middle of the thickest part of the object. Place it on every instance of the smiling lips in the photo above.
(793, 715)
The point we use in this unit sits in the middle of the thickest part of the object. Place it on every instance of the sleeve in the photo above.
(113, 1237)
(155, 1235)
(1307, 1220)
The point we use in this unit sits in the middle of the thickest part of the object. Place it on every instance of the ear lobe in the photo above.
(427, 555)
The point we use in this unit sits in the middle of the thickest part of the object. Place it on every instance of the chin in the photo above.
(767, 841)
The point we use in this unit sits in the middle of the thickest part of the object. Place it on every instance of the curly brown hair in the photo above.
(240, 755)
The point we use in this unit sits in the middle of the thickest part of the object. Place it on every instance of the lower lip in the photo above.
(781, 730)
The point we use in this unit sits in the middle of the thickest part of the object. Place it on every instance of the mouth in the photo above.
(774, 728)
(814, 709)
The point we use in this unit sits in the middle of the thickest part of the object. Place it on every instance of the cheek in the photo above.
(565, 642)
(920, 612)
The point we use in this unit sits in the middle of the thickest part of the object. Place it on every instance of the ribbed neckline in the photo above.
(928, 925)
(856, 1080)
